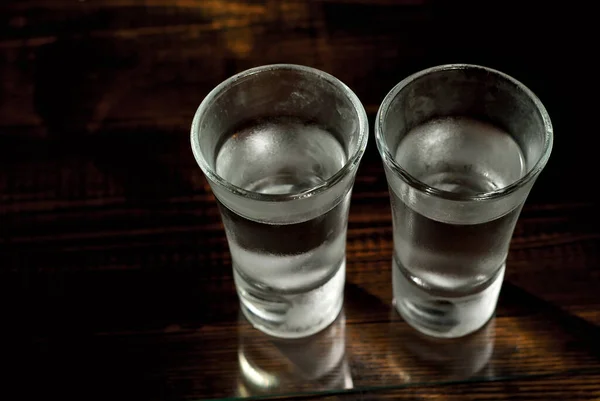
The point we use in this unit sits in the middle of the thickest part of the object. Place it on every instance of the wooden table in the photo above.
(114, 270)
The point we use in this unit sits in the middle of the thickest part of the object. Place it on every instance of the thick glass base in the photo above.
(447, 316)
(294, 315)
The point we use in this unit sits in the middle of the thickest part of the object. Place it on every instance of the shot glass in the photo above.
(280, 146)
(461, 146)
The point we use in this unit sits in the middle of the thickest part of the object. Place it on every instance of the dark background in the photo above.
(76, 73)
(106, 221)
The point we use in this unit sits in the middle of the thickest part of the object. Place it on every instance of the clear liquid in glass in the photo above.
(447, 275)
(289, 277)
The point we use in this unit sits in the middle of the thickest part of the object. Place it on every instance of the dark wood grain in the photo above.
(571, 386)
(115, 274)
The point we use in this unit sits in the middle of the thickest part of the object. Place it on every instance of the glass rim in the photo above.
(220, 89)
(440, 193)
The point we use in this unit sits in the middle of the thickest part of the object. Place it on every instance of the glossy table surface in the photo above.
(115, 275)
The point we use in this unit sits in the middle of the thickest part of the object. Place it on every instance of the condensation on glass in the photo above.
(462, 146)
(280, 145)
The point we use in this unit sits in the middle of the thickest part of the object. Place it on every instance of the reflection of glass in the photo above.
(269, 365)
(419, 357)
